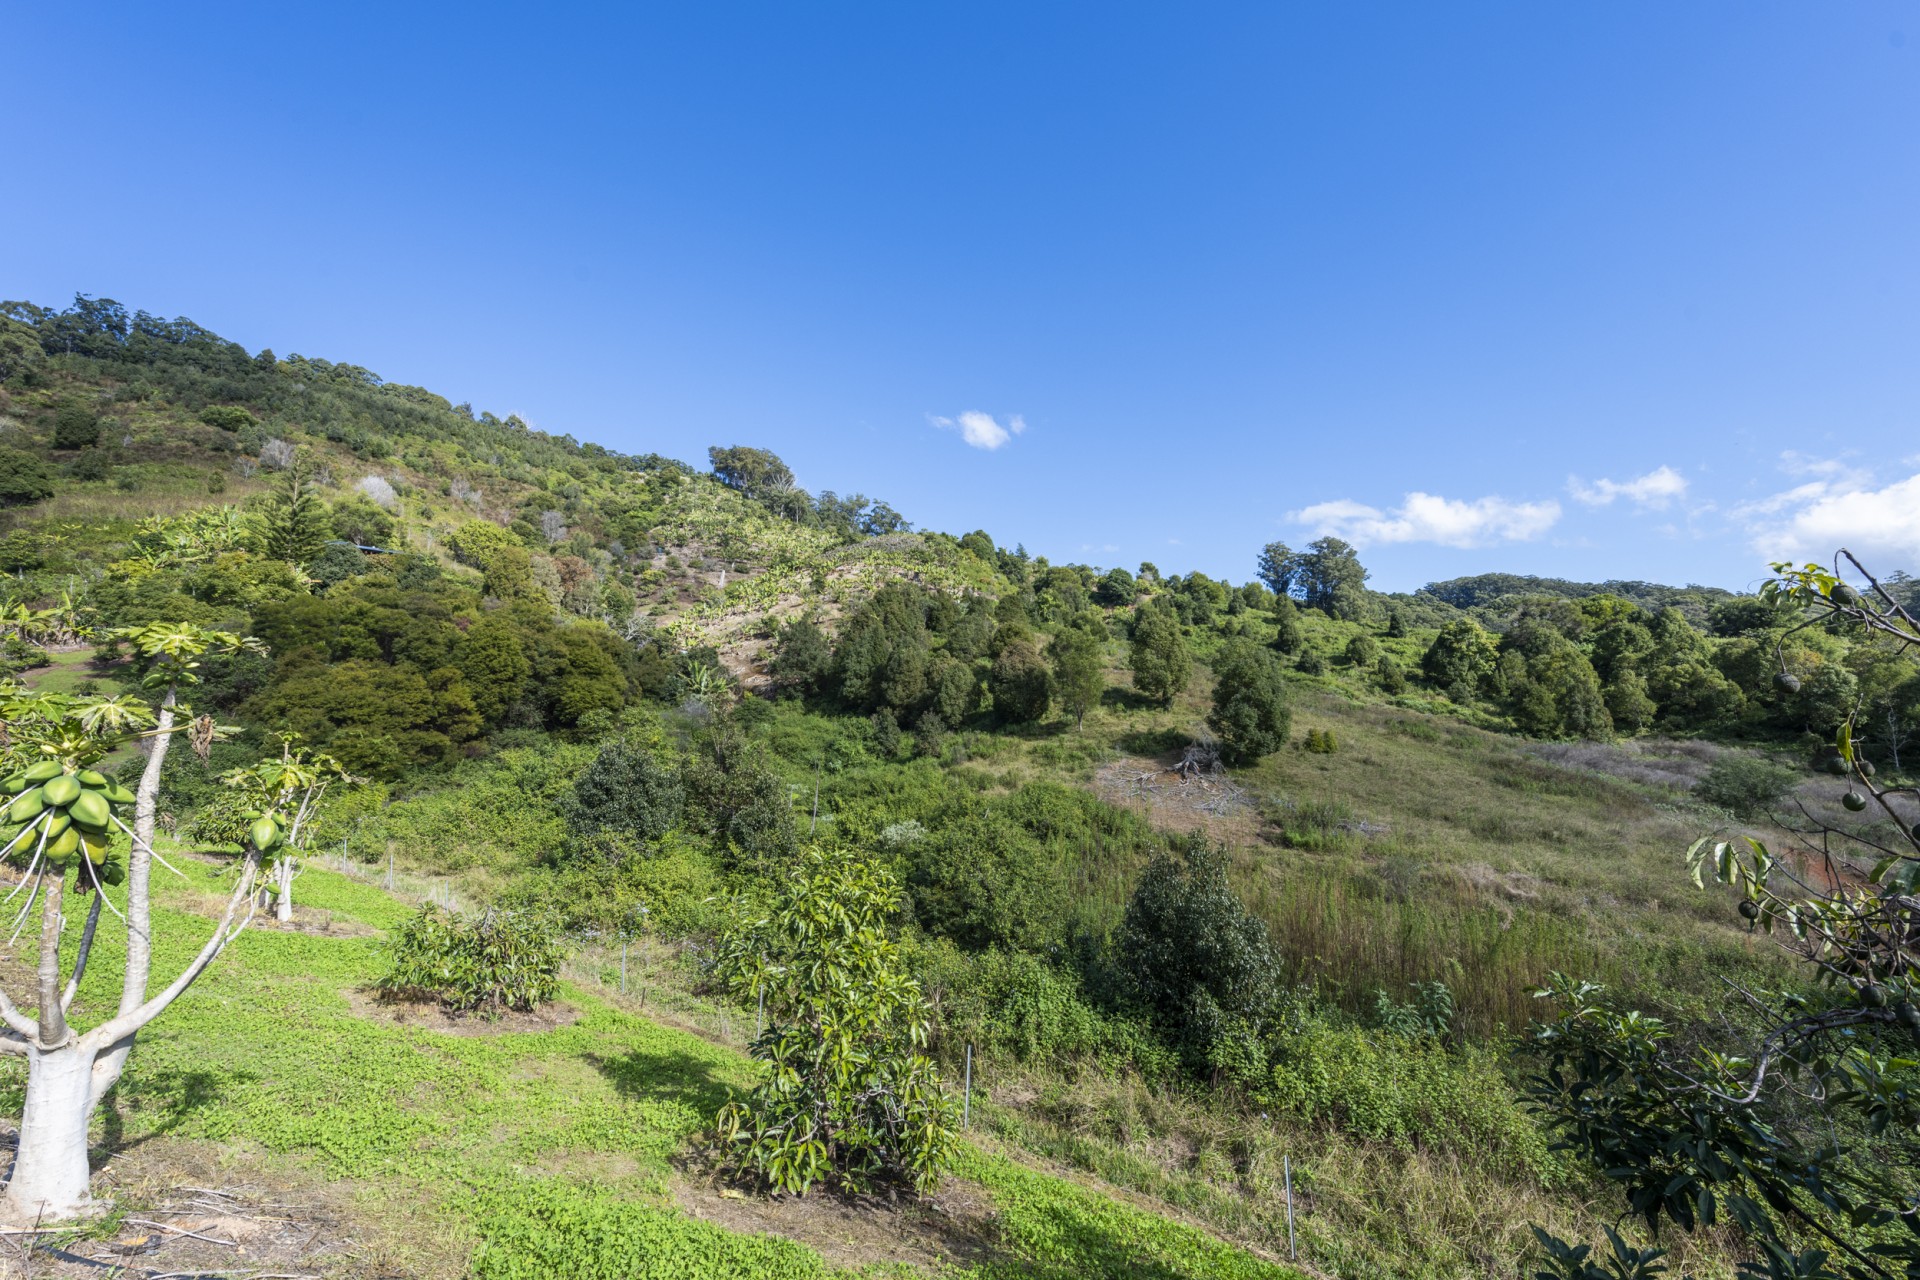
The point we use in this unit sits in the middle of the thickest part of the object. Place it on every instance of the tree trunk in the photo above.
(283, 889)
(133, 984)
(50, 1175)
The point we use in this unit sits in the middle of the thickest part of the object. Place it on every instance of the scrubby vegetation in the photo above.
(1203, 887)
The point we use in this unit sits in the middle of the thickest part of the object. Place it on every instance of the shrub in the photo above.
(625, 789)
(1743, 785)
(1409, 1094)
(91, 465)
(1194, 956)
(848, 1098)
(23, 478)
(501, 960)
(1321, 742)
(75, 427)
(1250, 711)
(227, 417)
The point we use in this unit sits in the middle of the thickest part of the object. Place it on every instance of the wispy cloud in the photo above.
(1842, 505)
(1426, 517)
(981, 430)
(1656, 489)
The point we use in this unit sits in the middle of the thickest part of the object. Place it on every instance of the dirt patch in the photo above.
(1171, 802)
(188, 1209)
(313, 921)
(956, 1226)
(426, 1015)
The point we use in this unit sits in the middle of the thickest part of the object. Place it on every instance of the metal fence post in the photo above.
(1287, 1164)
(966, 1097)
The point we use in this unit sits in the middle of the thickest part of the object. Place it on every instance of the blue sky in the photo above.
(1621, 290)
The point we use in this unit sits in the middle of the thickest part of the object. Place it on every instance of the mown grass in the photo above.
(514, 1154)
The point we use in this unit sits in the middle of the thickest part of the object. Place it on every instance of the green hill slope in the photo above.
(617, 692)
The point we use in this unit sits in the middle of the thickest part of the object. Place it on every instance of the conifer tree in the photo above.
(296, 520)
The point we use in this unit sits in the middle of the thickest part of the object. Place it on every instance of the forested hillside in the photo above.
(1232, 900)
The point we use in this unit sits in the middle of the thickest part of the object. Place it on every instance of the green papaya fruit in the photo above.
(89, 809)
(44, 770)
(92, 778)
(95, 847)
(117, 794)
(68, 841)
(57, 823)
(16, 784)
(26, 806)
(264, 833)
(61, 791)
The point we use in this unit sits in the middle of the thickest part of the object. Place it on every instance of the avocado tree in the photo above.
(848, 1096)
(1800, 1132)
(62, 827)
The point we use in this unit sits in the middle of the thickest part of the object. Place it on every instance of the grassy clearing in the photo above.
(515, 1154)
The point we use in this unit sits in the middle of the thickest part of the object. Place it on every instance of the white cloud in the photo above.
(1656, 489)
(1424, 517)
(1840, 508)
(980, 429)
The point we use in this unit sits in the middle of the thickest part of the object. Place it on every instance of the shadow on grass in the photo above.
(1119, 697)
(169, 1099)
(1154, 742)
(668, 1075)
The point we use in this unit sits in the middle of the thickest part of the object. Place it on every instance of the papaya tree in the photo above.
(287, 791)
(170, 656)
(63, 824)
(1800, 1124)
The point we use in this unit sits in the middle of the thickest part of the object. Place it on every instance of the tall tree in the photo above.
(296, 519)
(1332, 580)
(1279, 567)
(1161, 661)
(1250, 712)
(758, 473)
(1077, 676)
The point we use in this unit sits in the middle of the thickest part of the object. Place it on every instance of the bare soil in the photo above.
(201, 1209)
(956, 1226)
(428, 1015)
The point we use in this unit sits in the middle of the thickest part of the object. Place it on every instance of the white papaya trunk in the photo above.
(50, 1178)
(283, 890)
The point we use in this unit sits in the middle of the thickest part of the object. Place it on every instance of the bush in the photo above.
(75, 427)
(499, 961)
(227, 417)
(1321, 742)
(1196, 959)
(1409, 1094)
(627, 790)
(1250, 710)
(1743, 785)
(23, 478)
(848, 1098)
